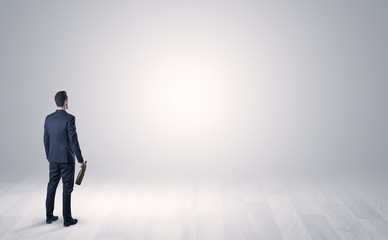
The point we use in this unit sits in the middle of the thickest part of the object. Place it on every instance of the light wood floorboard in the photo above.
(197, 209)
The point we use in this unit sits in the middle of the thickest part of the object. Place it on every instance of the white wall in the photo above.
(205, 85)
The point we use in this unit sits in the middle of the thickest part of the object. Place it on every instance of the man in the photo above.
(61, 144)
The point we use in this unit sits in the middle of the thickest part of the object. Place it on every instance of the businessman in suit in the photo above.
(61, 144)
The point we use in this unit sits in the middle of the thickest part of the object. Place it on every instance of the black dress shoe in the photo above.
(71, 222)
(50, 220)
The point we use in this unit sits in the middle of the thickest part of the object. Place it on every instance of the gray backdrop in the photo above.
(198, 86)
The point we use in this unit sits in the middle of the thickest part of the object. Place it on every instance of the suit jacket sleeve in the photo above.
(46, 140)
(71, 131)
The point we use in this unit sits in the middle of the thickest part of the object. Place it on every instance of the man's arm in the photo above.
(46, 140)
(71, 131)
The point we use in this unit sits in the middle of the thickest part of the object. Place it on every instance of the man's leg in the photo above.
(68, 183)
(55, 176)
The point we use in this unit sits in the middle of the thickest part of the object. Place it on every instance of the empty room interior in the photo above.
(199, 120)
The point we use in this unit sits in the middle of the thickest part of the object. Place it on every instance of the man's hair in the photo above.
(60, 98)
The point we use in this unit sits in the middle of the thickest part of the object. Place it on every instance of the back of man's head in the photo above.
(60, 98)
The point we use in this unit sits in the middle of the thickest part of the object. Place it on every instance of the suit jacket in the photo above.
(60, 138)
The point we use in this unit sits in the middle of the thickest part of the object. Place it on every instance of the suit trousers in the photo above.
(66, 171)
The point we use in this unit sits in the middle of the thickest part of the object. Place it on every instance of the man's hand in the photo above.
(82, 165)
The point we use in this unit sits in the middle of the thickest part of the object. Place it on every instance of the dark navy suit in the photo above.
(61, 145)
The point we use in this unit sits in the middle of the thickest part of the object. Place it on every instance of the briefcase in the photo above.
(81, 174)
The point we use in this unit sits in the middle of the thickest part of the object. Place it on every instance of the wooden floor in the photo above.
(198, 209)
